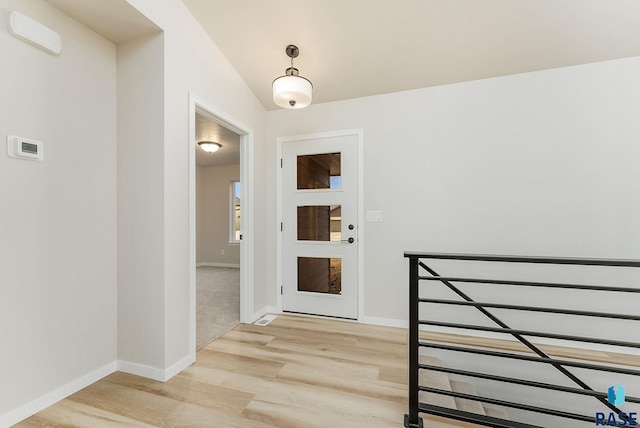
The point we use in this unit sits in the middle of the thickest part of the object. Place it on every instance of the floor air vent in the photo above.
(265, 320)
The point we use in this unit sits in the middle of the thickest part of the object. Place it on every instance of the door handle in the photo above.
(350, 240)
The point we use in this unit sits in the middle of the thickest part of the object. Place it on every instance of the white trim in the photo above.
(207, 264)
(142, 370)
(361, 240)
(359, 133)
(278, 224)
(266, 310)
(178, 367)
(33, 407)
(246, 182)
(161, 375)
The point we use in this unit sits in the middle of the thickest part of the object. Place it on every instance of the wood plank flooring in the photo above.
(294, 372)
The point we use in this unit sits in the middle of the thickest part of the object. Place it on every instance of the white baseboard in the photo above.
(266, 310)
(178, 367)
(33, 407)
(207, 264)
(386, 322)
(161, 375)
(141, 370)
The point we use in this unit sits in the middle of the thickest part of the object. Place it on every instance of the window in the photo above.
(235, 232)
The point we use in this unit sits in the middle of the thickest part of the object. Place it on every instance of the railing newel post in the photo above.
(412, 420)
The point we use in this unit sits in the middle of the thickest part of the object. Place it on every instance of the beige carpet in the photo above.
(217, 303)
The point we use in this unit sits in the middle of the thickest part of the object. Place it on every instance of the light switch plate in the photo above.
(374, 216)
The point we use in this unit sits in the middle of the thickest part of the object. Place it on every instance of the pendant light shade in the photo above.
(291, 90)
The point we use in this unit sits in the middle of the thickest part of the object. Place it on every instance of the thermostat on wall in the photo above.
(24, 148)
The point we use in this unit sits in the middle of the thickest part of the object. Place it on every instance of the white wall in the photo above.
(87, 218)
(540, 163)
(140, 201)
(57, 217)
(213, 212)
(192, 63)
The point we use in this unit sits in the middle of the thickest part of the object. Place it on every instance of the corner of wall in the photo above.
(41, 403)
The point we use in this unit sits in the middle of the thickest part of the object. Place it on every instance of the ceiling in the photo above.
(356, 48)
(115, 20)
(209, 130)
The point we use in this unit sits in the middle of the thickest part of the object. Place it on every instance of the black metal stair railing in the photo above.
(581, 388)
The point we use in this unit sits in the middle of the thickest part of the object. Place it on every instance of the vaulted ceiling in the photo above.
(355, 48)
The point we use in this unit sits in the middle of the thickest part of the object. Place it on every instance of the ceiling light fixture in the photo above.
(209, 146)
(292, 90)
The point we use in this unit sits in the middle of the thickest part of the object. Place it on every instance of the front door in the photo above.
(319, 226)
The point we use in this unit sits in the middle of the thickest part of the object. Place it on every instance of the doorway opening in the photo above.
(218, 191)
(221, 224)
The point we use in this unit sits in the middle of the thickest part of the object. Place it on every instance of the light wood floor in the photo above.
(295, 372)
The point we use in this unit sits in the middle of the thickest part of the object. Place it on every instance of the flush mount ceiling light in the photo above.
(292, 90)
(209, 146)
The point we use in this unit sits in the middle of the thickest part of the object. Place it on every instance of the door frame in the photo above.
(246, 184)
(359, 134)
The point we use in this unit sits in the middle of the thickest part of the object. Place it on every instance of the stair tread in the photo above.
(437, 380)
(441, 380)
(464, 404)
(428, 359)
(494, 412)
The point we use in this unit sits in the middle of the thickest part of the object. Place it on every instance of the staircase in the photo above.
(438, 380)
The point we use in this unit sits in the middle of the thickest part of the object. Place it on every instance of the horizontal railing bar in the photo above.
(522, 382)
(524, 259)
(554, 361)
(532, 309)
(531, 284)
(532, 333)
(511, 404)
(475, 418)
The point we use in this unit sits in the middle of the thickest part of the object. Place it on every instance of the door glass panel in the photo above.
(319, 171)
(320, 275)
(320, 223)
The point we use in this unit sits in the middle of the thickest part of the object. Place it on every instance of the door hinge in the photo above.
(281, 162)
(281, 227)
(281, 290)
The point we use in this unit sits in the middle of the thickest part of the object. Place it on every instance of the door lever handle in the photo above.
(350, 240)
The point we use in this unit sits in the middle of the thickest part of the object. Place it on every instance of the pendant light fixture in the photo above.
(292, 91)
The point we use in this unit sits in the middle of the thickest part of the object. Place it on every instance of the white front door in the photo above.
(319, 226)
